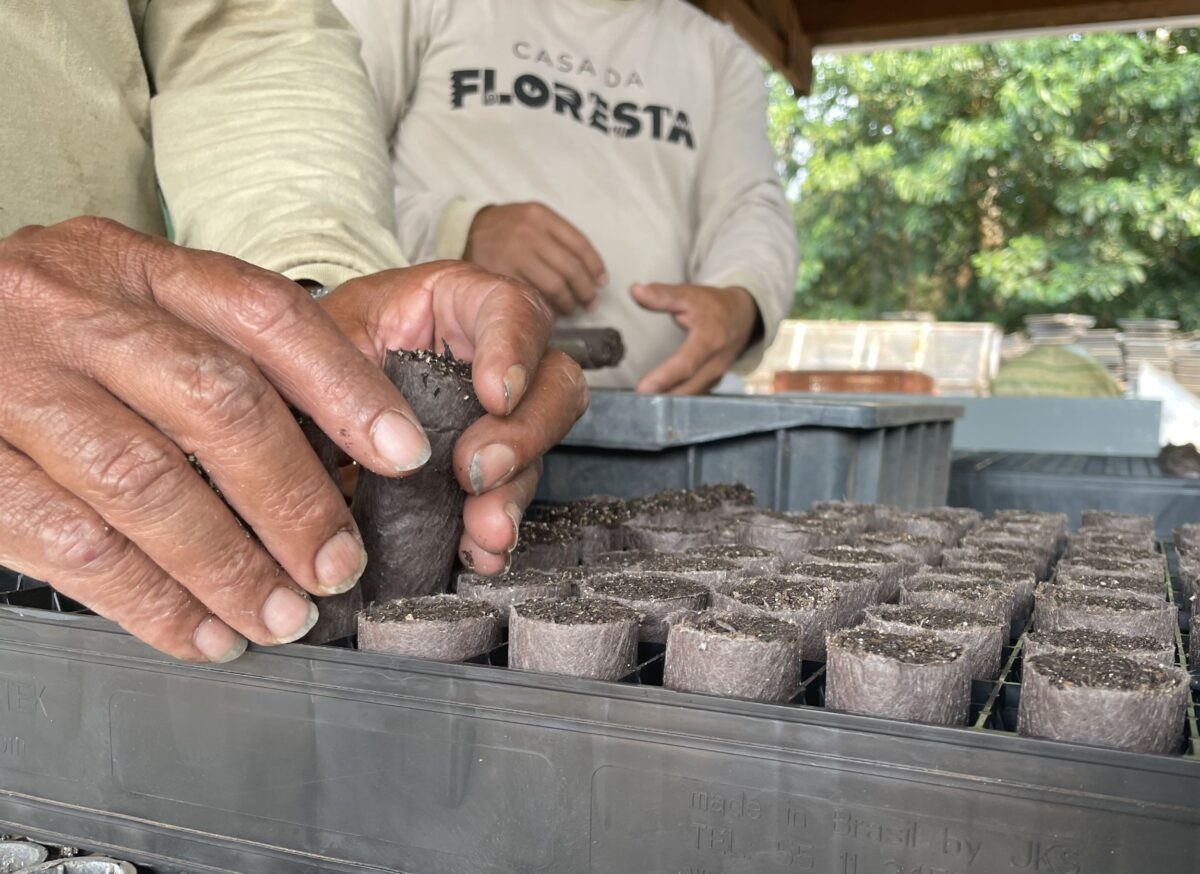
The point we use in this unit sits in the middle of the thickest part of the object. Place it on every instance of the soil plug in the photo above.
(1141, 649)
(582, 637)
(962, 591)
(547, 545)
(918, 677)
(739, 655)
(659, 598)
(411, 525)
(1107, 700)
(982, 639)
(438, 627)
(905, 546)
(515, 587)
(1065, 607)
(816, 607)
(336, 617)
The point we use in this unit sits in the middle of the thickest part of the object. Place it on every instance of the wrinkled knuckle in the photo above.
(137, 471)
(222, 388)
(76, 543)
(304, 505)
(146, 605)
(16, 279)
(91, 226)
(270, 306)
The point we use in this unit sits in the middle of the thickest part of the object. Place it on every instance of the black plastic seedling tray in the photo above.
(326, 759)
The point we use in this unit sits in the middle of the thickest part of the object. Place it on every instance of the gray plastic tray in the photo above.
(304, 759)
(792, 452)
(1071, 484)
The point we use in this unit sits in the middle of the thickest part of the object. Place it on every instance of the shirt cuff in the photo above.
(769, 310)
(328, 275)
(453, 227)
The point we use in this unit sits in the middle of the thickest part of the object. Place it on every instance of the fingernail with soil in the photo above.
(217, 641)
(514, 513)
(401, 443)
(516, 379)
(491, 465)
(288, 615)
(340, 562)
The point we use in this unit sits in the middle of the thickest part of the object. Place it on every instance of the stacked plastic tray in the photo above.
(1067, 483)
(792, 452)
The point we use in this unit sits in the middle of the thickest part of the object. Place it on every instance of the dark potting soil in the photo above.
(578, 611)
(1115, 563)
(1108, 642)
(599, 510)
(889, 538)
(730, 554)
(906, 648)
(538, 533)
(967, 585)
(793, 594)
(514, 579)
(838, 573)
(717, 494)
(931, 618)
(758, 626)
(1087, 598)
(645, 587)
(697, 500)
(1101, 671)
(677, 563)
(1122, 581)
(439, 364)
(852, 555)
(434, 608)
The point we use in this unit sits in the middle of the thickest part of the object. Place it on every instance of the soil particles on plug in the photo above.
(538, 533)
(908, 649)
(730, 554)
(443, 608)
(1101, 671)
(852, 555)
(837, 573)
(1089, 598)
(678, 563)
(1088, 640)
(645, 587)
(577, 611)
(787, 594)
(757, 626)
(931, 618)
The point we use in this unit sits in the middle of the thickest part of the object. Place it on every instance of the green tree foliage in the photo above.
(992, 181)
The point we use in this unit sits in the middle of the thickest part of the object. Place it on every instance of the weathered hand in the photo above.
(532, 242)
(533, 396)
(127, 355)
(720, 323)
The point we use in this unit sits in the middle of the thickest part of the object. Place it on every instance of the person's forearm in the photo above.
(286, 168)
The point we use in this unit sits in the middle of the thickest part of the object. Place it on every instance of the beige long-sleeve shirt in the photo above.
(642, 122)
(262, 131)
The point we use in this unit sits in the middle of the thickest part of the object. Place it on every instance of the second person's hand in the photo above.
(537, 245)
(720, 323)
